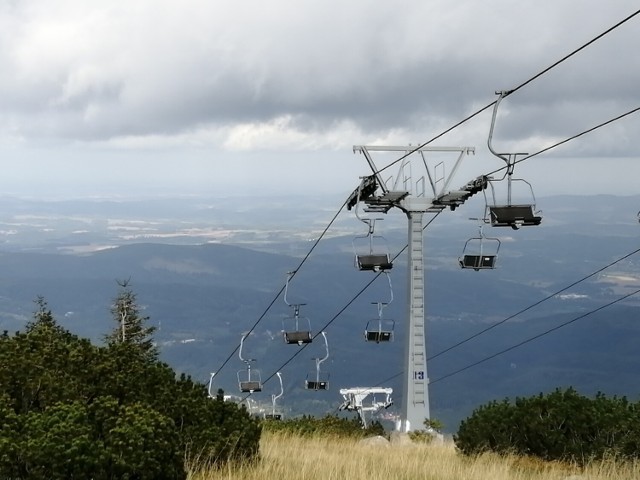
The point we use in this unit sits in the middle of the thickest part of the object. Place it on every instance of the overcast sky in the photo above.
(254, 96)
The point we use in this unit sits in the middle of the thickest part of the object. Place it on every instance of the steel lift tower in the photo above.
(427, 192)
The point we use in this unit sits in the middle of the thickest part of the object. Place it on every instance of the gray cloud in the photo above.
(301, 75)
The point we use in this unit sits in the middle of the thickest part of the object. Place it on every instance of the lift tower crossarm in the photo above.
(410, 195)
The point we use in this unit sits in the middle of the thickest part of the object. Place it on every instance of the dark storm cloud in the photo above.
(288, 76)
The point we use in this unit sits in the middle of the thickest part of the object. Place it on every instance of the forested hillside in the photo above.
(72, 409)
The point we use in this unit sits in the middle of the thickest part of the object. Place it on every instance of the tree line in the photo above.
(72, 409)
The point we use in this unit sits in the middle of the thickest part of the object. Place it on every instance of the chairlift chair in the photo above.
(374, 331)
(210, 387)
(371, 251)
(274, 415)
(509, 214)
(480, 253)
(249, 380)
(296, 330)
(316, 383)
(379, 330)
(512, 215)
(314, 380)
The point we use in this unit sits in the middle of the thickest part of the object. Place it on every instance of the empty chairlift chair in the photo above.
(210, 387)
(373, 261)
(275, 414)
(318, 380)
(297, 337)
(296, 330)
(480, 253)
(379, 330)
(509, 213)
(371, 251)
(316, 383)
(512, 215)
(249, 380)
(376, 332)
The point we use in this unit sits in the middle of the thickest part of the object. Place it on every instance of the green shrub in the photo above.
(561, 425)
(69, 409)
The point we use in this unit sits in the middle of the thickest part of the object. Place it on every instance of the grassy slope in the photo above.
(286, 457)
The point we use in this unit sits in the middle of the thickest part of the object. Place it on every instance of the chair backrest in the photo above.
(251, 386)
(298, 337)
(478, 262)
(510, 215)
(317, 385)
(374, 261)
(378, 336)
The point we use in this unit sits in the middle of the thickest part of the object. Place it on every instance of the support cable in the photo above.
(584, 132)
(275, 298)
(548, 297)
(523, 84)
(518, 313)
(535, 337)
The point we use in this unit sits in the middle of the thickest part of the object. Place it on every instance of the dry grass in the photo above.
(286, 457)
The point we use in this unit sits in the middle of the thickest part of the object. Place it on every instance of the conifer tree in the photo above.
(131, 327)
(69, 409)
(42, 316)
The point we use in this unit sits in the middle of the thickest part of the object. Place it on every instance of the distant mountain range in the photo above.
(208, 270)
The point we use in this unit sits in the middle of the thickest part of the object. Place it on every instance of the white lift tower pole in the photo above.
(415, 195)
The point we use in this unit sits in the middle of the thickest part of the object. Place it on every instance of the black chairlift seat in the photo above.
(378, 336)
(478, 262)
(480, 253)
(374, 332)
(374, 262)
(513, 216)
(250, 386)
(298, 337)
(316, 385)
(273, 416)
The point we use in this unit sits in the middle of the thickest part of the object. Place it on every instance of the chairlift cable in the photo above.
(520, 312)
(293, 273)
(535, 337)
(584, 132)
(548, 297)
(566, 57)
(523, 84)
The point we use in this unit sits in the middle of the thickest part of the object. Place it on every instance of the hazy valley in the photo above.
(206, 269)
